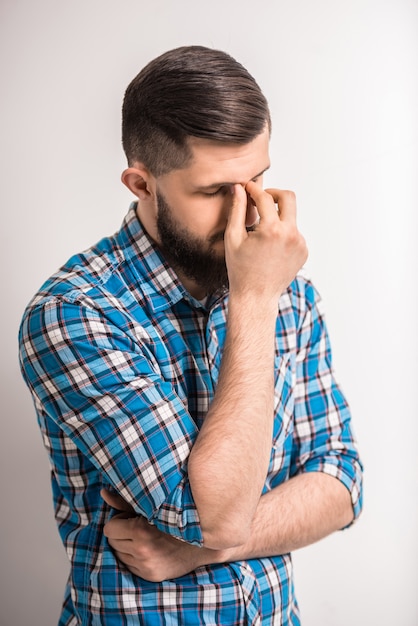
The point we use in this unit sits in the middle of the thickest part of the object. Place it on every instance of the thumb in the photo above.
(235, 229)
(115, 501)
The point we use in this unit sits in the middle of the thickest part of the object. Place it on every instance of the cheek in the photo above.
(208, 215)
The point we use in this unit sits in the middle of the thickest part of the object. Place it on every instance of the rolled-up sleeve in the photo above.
(323, 433)
(105, 392)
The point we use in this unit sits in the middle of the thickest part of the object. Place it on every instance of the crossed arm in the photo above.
(236, 523)
(299, 512)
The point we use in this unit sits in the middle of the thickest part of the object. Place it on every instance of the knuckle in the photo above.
(109, 529)
(289, 195)
(275, 230)
(292, 235)
(138, 554)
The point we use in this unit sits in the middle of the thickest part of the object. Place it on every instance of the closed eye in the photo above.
(223, 189)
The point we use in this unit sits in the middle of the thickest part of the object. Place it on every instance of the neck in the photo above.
(191, 286)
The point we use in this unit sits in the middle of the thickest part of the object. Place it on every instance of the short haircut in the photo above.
(190, 91)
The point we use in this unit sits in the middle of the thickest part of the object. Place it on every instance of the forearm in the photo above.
(298, 513)
(235, 440)
(229, 460)
(295, 514)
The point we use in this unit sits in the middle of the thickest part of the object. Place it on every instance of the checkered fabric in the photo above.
(122, 364)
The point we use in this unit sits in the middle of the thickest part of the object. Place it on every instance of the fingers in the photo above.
(117, 529)
(235, 229)
(266, 200)
(124, 528)
(270, 204)
(286, 202)
(263, 261)
(115, 501)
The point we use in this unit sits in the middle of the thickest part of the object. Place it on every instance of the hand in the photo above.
(265, 260)
(146, 551)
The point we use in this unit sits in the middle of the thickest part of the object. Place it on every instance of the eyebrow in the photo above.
(225, 184)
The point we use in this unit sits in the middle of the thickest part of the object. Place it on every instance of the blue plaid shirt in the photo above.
(122, 364)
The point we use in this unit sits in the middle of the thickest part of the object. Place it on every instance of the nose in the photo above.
(251, 217)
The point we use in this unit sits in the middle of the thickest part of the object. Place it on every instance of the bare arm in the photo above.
(299, 512)
(235, 440)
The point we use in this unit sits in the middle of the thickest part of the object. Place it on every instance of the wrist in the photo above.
(212, 557)
(252, 306)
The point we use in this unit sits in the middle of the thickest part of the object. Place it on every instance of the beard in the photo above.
(194, 256)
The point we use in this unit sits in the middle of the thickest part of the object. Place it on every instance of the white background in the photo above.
(342, 81)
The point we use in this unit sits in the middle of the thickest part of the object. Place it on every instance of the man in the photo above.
(181, 373)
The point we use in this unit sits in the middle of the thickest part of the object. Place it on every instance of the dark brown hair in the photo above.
(190, 91)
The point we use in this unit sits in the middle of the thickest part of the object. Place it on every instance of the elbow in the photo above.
(225, 535)
(347, 512)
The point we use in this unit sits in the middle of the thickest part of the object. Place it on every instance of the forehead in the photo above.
(214, 163)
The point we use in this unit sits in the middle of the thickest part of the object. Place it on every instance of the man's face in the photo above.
(192, 207)
(194, 256)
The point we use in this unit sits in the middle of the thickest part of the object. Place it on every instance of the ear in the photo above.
(138, 180)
